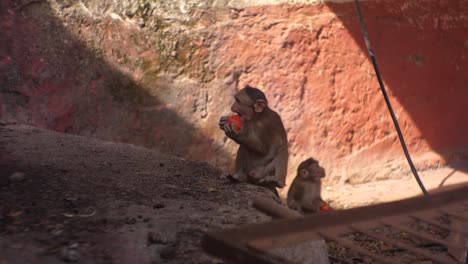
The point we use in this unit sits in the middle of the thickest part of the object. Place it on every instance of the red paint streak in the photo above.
(6, 60)
(421, 48)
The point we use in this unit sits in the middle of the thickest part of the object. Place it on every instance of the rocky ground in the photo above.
(78, 199)
(68, 198)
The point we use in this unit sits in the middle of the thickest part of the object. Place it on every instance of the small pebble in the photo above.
(156, 238)
(17, 177)
(158, 206)
(167, 252)
(130, 221)
(69, 254)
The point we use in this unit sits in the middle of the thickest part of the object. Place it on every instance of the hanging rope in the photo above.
(387, 100)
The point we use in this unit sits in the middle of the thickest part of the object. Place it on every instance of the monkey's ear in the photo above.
(259, 105)
(304, 173)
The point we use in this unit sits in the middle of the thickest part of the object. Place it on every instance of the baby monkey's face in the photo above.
(316, 172)
(312, 172)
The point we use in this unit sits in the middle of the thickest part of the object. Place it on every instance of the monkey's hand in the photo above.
(237, 177)
(256, 174)
(230, 133)
(224, 125)
(272, 179)
(222, 122)
(293, 205)
(259, 176)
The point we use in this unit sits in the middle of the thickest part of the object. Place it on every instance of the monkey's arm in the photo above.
(280, 163)
(295, 193)
(312, 206)
(292, 204)
(281, 168)
(290, 199)
(244, 138)
(312, 199)
(251, 142)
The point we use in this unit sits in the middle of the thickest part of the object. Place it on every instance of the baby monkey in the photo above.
(304, 193)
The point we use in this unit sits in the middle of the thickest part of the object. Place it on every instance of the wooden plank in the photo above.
(236, 252)
(249, 244)
(434, 223)
(283, 228)
(405, 246)
(350, 245)
(416, 234)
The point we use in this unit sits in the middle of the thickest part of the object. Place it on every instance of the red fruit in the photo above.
(325, 207)
(235, 122)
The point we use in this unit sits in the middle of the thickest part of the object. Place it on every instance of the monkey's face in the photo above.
(248, 107)
(313, 172)
(243, 106)
(318, 171)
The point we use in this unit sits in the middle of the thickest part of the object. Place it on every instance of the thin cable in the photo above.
(387, 100)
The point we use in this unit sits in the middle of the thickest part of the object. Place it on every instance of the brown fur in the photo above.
(304, 193)
(262, 157)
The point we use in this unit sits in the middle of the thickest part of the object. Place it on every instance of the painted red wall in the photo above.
(108, 78)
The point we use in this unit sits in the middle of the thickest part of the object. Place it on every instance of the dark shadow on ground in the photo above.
(44, 216)
(51, 79)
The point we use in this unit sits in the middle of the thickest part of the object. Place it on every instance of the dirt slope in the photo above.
(146, 207)
(133, 191)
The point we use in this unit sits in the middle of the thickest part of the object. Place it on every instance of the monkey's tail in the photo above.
(387, 100)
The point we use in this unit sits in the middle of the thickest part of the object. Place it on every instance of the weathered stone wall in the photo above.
(160, 73)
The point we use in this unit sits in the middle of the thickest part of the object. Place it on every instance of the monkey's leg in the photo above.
(275, 171)
(236, 177)
(281, 166)
(240, 174)
(308, 211)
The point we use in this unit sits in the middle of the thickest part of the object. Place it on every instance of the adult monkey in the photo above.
(262, 157)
